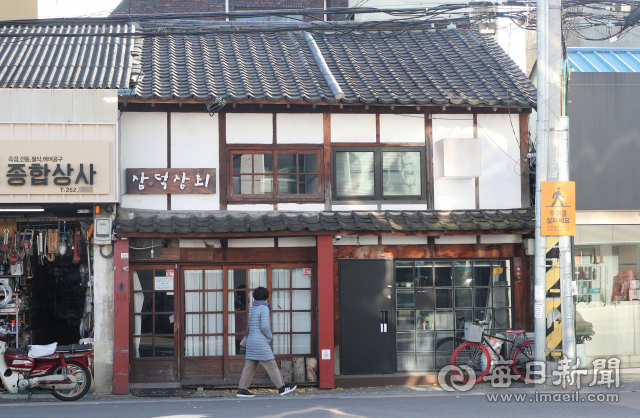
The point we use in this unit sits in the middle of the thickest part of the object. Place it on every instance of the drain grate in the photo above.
(163, 393)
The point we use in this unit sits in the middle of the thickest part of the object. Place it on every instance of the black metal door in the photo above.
(367, 326)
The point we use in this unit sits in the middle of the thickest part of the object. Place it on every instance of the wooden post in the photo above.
(325, 311)
(121, 318)
(312, 369)
(286, 368)
(298, 369)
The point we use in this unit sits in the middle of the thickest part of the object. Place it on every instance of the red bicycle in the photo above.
(474, 355)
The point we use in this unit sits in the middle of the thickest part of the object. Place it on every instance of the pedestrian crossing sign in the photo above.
(558, 208)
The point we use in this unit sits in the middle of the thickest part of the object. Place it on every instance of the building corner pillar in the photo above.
(325, 312)
(121, 318)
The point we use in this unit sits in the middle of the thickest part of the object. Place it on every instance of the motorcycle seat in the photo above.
(73, 348)
(16, 351)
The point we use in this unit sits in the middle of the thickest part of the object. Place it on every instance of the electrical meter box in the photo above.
(102, 231)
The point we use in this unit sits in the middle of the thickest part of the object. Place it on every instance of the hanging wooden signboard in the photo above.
(171, 180)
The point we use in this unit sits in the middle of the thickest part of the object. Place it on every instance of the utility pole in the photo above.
(552, 164)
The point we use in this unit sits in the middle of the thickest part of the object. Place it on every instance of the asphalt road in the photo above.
(385, 405)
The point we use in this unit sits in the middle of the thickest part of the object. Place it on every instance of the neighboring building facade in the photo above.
(604, 151)
(18, 9)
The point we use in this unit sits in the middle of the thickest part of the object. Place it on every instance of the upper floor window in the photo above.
(276, 174)
(369, 173)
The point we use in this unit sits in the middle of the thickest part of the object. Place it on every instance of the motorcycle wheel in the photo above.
(84, 382)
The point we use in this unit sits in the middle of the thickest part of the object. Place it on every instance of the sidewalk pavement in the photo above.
(627, 384)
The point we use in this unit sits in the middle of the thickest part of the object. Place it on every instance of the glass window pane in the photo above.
(192, 279)
(213, 346)
(193, 301)
(424, 273)
(213, 279)
(424, 341)
(406, 361)
(237, 301)
(462, 316)
(281, 322)
(443, 274)
(286, 164)
(281, 344)
(404, 274)
(481, 276)
(213, 302)
(164, 324)
(164, 301)
(485, 315)
(262, 163)
(445, 342)
(262, 184)
(405, 341)
(401, 173)
(354, 173)
(142, 302)
(462, 273)
(425, 320)
(425, 361)
(444, 320)
(501, 297)
(280, 300)
(279, 278)
(308, 184)
(405, 320)
(142, 347)
(404, 299)
(501, 273)
(237, 279)
(463, 298)
(287, 184)
(257, 278)
(301, 300)
(163, 347)
(237, 323)
(143, 280)
(214, 324)
(301, 344)
(502, 318)
(142, 324)
(192, 346)
(443, 359)
(308, 163)
(193, 324)
(444, 298)
(300, 279)
(242, 163)
(482, 297)
(242, 184)
(301, 322)
(233, 345)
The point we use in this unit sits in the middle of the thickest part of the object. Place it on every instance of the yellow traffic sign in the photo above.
(558, 208)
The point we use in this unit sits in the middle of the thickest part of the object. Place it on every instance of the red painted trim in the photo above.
(121, 318)
(325, 310)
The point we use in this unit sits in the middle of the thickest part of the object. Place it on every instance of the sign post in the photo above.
(558, 204)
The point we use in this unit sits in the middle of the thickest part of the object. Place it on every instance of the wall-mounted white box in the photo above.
(458, 158)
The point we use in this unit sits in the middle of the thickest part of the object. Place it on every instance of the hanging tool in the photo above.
(5, 242)
(76, 256)
(28, 243)
(12, 257)
(62, 245)
(40, 247)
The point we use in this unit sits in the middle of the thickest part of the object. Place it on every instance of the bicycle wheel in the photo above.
(474, 356)
(522, 354)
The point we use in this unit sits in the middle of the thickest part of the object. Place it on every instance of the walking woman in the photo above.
(258, 348)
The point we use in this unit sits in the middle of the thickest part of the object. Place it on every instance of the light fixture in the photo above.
(21, 209)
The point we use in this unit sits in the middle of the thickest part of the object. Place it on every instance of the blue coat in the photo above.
(259, 334)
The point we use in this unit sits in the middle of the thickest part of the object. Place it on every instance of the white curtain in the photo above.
(300, 280)
(257, 278)
(193, 322)
(138, 300)
(279, 278)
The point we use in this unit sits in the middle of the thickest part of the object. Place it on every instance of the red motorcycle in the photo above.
(63, 371)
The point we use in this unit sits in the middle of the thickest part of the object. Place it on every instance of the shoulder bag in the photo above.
(243, 343)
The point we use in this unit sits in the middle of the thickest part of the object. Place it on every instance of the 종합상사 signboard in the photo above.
(55, 167)
(170, 180)
(558, 208)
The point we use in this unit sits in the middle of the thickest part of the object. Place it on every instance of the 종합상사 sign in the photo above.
(55, 167)
(170, 180)
(558, 208)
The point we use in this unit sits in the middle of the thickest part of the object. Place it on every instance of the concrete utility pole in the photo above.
(552, 164)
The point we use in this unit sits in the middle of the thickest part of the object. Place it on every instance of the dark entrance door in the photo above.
(367, 325)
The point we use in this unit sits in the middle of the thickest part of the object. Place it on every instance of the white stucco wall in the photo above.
(249, 128)
(353, 128)
(299, 128)
(402, 128)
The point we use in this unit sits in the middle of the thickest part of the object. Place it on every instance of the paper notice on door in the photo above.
(164, 283)
(171, 319)
(538, 310)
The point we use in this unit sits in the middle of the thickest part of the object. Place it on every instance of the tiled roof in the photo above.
(220, 222)
(457, 67)
(57, 62)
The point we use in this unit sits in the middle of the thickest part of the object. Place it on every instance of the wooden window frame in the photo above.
(377, 170)
(275, 197)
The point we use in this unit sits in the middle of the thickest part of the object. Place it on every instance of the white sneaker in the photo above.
(286, 389)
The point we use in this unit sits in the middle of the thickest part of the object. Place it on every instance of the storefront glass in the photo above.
(608, 303)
